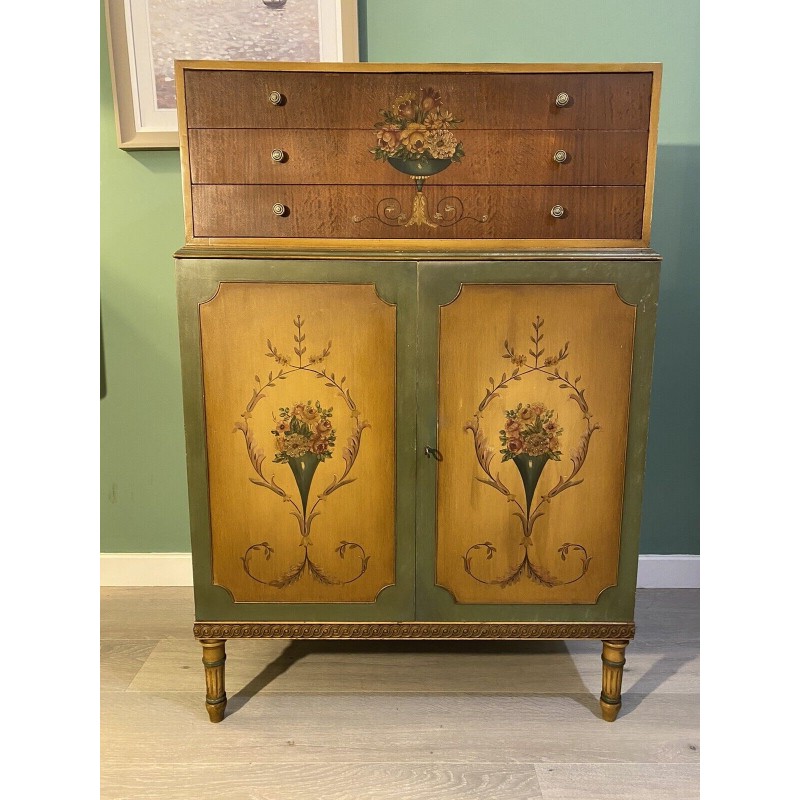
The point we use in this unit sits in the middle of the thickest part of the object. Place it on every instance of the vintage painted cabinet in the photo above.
(417, 310)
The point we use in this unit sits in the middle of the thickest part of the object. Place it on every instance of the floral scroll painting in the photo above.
(301, 441)
(530, 484)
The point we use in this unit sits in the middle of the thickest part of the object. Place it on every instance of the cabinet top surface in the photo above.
(295, 66)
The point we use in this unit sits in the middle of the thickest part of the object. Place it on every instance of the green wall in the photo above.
(143, 485)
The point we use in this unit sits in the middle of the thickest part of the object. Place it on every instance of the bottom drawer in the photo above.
(452, 212)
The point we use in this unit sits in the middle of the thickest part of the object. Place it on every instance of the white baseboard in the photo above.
(175, 569)
(145, 569)
(668, 572)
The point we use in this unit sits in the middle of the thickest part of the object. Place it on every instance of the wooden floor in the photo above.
(395, 720)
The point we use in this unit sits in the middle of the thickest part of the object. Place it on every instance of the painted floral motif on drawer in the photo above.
(416, 136)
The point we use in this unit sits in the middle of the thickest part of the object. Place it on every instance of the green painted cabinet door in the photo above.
(533, 393)
(299, 391)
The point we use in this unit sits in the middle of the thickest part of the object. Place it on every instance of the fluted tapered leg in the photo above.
(613, 663)
(214, 663)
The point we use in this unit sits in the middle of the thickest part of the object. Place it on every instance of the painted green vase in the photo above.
(303, 468)
(530, 468)
(420, 166)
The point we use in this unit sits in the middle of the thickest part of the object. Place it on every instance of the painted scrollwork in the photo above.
(449, 212)
(303, 437)
(531, 438)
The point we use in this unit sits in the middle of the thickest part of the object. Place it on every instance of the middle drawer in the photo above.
(494, 158)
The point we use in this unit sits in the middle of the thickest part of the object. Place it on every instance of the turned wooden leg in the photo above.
(214, 663)
(613, 662)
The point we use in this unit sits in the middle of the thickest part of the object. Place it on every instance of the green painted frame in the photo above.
(636, 278)
(197, 281)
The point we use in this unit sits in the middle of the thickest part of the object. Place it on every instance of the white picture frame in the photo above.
(140, 71)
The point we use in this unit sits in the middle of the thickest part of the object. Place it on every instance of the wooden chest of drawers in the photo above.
(511, 155)
(417, 318)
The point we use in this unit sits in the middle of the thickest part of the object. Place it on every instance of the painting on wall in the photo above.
(146, 36)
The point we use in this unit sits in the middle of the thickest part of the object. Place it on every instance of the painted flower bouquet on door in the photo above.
(530, 438)
(304, 437)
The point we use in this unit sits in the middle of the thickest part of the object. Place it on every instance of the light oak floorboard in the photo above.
(147, 728)
(235, 781)
(133, 612)
(121, 660)
(619, 781)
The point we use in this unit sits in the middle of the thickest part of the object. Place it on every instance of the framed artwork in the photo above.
(146, 36)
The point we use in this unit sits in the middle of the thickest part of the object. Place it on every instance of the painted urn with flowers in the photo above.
(530, 438)
(416, 135)
(304, 437)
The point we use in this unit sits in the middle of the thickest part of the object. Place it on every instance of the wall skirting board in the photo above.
(175, 569)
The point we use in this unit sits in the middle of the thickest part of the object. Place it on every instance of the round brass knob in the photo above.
(278, 155)
(562, 99)
(557, 212)
(276, 98)
(560, 156)
(279, 209)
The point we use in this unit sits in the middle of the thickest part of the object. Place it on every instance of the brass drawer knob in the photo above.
(279, 210)
(276, 98)
(562, 99)
(278, 155)
(560, 156)
(557, 212)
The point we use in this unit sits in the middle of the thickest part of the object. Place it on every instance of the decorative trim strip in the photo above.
(175, 569)
(414, 630)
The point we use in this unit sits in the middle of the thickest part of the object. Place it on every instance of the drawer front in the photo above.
(377, 212)
(232, 98)
(245, 156)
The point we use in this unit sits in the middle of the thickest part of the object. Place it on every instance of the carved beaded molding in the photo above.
(402, 630)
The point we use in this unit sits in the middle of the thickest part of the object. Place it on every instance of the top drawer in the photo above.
(237, 98)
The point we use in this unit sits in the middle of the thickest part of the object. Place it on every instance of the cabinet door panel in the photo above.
(534, 389)
(530, 487)
(300, 417)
